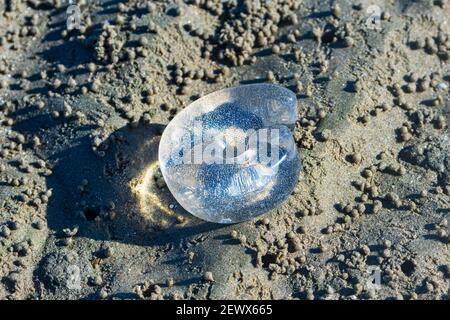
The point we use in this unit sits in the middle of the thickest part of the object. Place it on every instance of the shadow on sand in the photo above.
(112, 197)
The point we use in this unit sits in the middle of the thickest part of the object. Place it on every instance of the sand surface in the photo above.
(84, 211)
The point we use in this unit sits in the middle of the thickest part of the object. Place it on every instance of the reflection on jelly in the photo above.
(230, 155)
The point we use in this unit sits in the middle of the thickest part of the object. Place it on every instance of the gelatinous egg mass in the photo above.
(230, 155)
